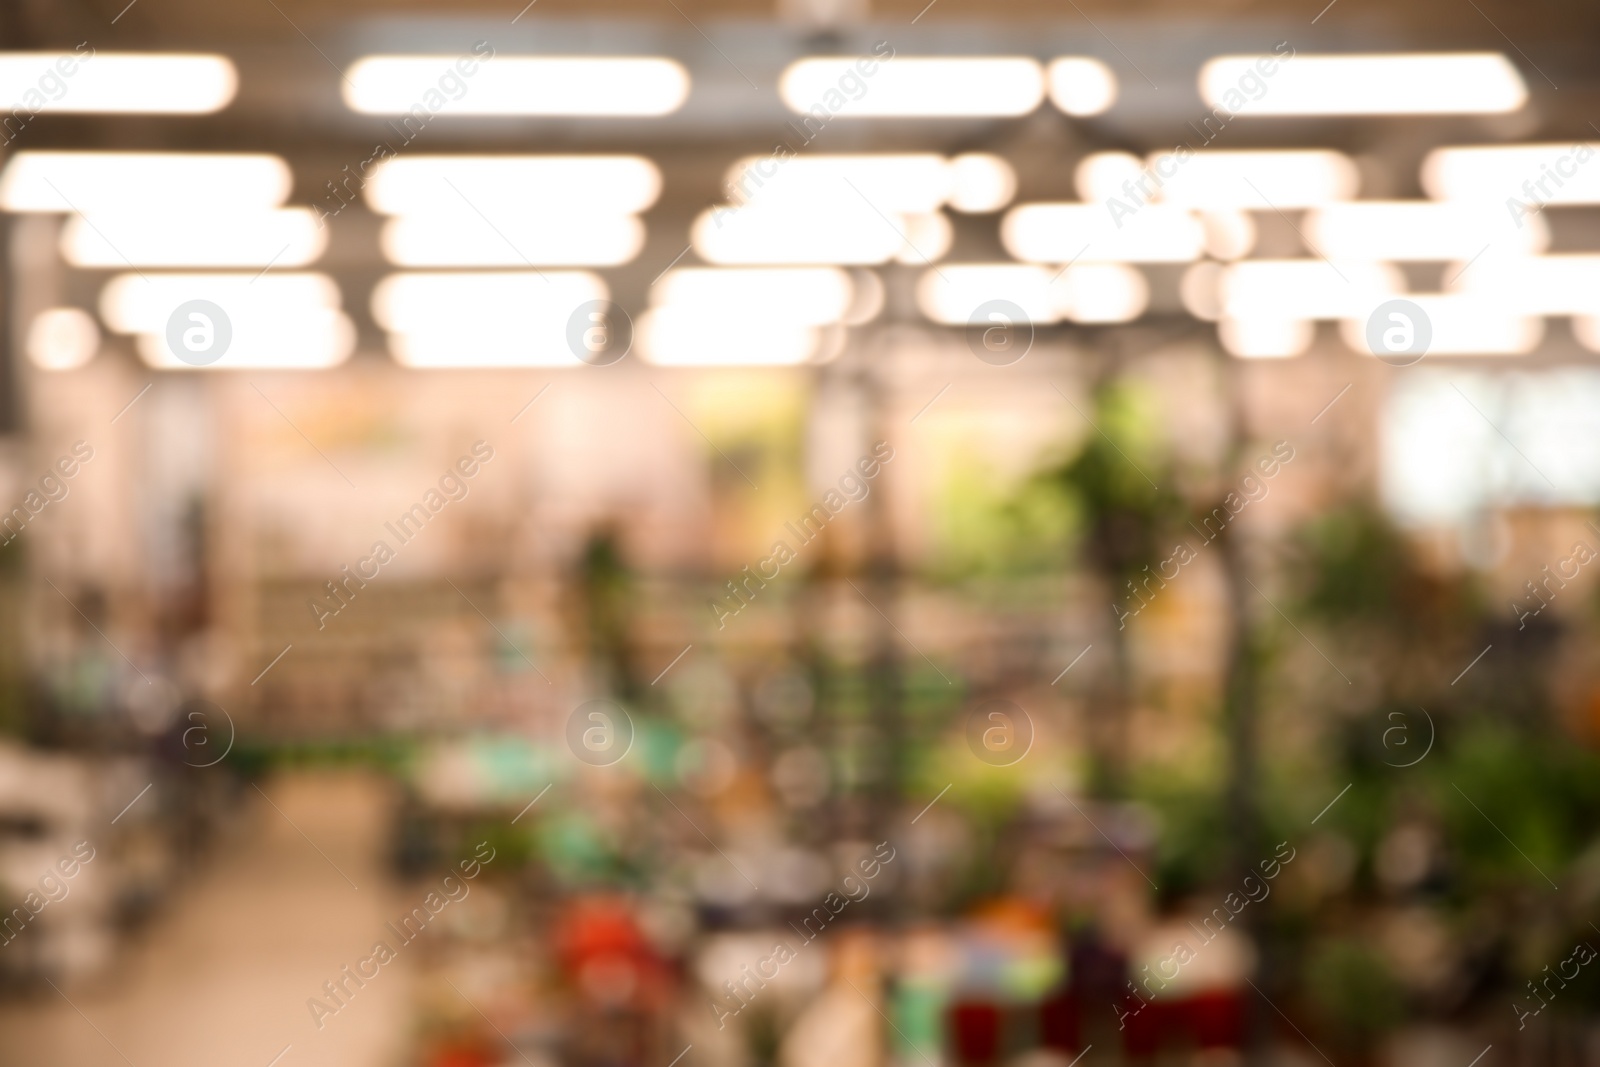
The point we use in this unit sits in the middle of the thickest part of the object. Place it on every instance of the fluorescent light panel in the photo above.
(807, 296)
(483, 319)
(1422, 230)
(917, 183)
(465, 239)
(280, 321)
(1529, 173)
(1465, 83)
(913, 87)
(1265, 180)
(501, 184)
(590, 86)
(151, 83)
(173, 182)
(288, 237)
(1062, 233)
(1081, 86)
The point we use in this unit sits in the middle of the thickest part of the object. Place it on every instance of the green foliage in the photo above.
(1351, 986)
(1124, 517)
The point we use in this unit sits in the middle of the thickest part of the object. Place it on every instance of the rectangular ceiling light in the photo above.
(916, 183)
(467, 239)
(1461, 325)
(913, 87)
(1421, 231)
(1265, 180)
(1274, 290)
(484, 319)
(127, 182)
(693, 337)
(1531, 174)
(811, 296)
(1443, 83)
(150, 83)
(288, 237)
(492, 184)
(426, 85)
(1064, 233)
(272, 322)
(962, 294)
(779, 232)
(1534, 285)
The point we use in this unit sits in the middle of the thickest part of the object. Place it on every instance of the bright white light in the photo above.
(983, 183)
(1062, 233)
(152, 83)
(483, 319)
(62, 339)
(918, 87)
(1101, 175)
(1266, 180)
(466, 239)
(516, 85)
(290, 339)
(133, 303)
(1101, 292)
(928, 238)
(1531, 174)
(902, 182)
(1277, 290)
(1465, 83)
(1462, 326)
(692, 337)
(288, 237)
(1087, 293)
(1230, 235)
(497, 185)
(1457, 442)
(1081, 86)
(811, 296)
(277, 321)
(1535, 285)
(169, 182)
(1421, 230)
(1265, 338)
(953, 294)
(777, 232)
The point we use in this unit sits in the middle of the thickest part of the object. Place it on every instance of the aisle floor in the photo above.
(222, 976)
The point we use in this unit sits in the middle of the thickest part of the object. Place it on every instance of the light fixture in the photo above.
(913, 87)
(1529, 174)
(692, 337)
(484, 318)
(1461, 325)
(783, 233)
(464, 239)
(502, 184)
(288, 237)
(1443, 83)
(1253, 180)
(152, 83)
(1102, 293)
(516, 85)
(1276, 290)
(1063, 233)
(62, 339)
(811, 296)
(954, 294)
(1081, 86)
(1265, 338)
(174, 182)
(1566, 284)
(279, 321)
(983, 183)
(1422, 230)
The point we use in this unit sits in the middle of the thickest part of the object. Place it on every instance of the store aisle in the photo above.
(223, 975)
